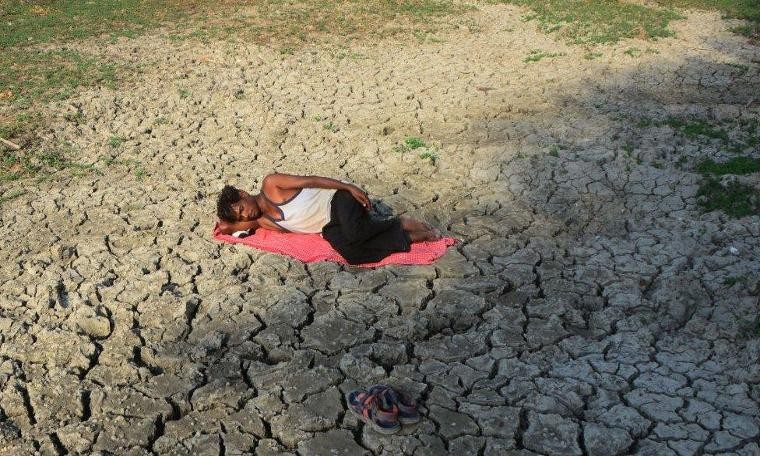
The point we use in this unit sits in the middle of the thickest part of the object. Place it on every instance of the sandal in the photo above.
(379, 413)
(407, 407)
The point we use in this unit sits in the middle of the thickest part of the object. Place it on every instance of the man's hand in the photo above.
(229, 228)
(360, 195)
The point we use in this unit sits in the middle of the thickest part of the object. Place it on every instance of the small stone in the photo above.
(604, 441)
(551, 434)
(741, 426)
(722, 441)
(335, 442)
(623, 417)
(467, 444)
(452, 424)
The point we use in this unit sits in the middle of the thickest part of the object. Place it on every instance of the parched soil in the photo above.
(591, 307)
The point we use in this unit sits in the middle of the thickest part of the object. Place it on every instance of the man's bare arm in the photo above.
(290, 182)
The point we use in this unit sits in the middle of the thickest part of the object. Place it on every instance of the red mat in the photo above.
(311, 248)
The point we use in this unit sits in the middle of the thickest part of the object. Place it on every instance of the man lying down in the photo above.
(313, 204)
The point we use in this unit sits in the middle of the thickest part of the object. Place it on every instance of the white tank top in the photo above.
(308, 211)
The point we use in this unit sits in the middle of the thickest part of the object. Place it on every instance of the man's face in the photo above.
(246, 209)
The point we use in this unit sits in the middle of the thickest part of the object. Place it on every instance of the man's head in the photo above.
(235, 205)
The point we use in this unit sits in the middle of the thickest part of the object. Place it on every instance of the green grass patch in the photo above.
(748, 30)
(414, 143)
(115, 141)
(29, 76)
(598, 21)
(411, 143)
(40, 163)
(695, 128)
(26, 23)
(537, 55)
(734, 198)
(748, 10)
(292, 23)
(736, 165)
(733, 280)
(738, 136)
(740, 68)
(734, 9)
(10, 196)
(429, 155)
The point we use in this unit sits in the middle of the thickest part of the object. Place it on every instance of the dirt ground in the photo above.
(591, 308)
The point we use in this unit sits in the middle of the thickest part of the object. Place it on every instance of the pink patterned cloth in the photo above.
(311, 248)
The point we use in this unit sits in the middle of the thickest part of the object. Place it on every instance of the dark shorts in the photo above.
(357, 236)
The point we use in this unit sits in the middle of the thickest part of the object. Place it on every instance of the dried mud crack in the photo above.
(591, 308)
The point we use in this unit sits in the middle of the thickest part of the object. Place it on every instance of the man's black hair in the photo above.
(229, 196)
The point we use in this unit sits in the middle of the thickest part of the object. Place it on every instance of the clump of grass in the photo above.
(348, 54)
(554, 150)
(734, 198)
(733, 280)
(108, 160)
(589, 21)
(183, 93)
(628, 149)
(736, 165)
(410, 143)
(115, 141)
(592, 55)
(10, 196)
(330, 126)
(537, 55)
(429, 155)
(426, 36)
(632, 52)
(749, 30)
(160, 121)
(740, 68)
(414, 143)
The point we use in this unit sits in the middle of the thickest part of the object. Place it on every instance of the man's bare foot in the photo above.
(426, 235)
(409, 224)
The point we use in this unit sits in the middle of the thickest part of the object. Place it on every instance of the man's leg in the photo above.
(354, 221)
(359, 237)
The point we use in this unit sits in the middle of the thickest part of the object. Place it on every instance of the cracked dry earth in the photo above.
(588, 310)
